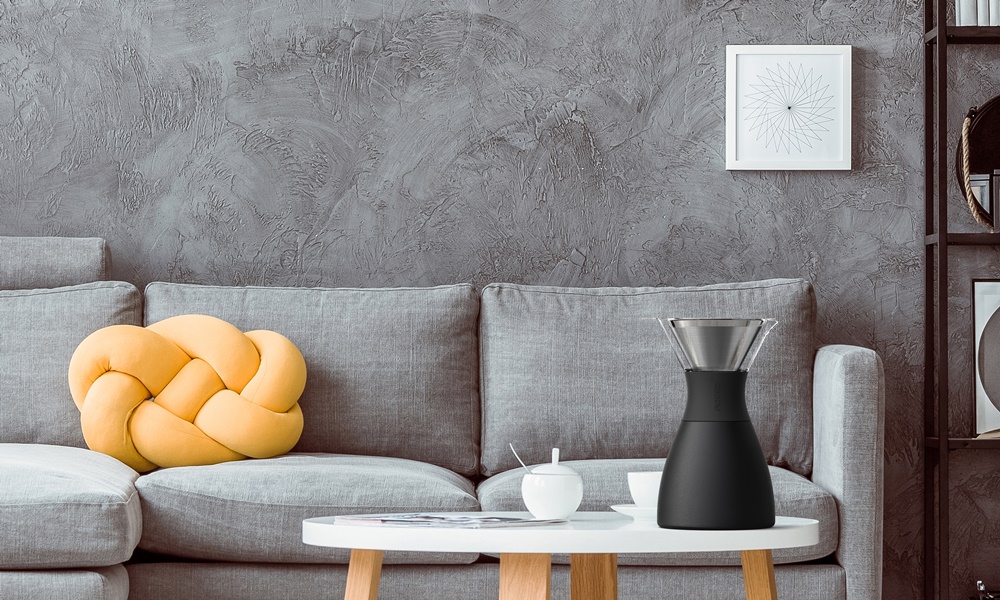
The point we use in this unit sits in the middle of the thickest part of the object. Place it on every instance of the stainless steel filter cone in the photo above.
(717, 344)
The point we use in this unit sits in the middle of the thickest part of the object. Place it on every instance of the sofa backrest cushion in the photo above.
(45, 262)
(39, 330)
(390, 372)
(589, 370)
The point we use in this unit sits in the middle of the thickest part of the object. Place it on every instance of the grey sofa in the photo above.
(412, 397)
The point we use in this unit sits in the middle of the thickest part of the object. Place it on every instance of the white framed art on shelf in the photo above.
(788, 107)
(986, 357)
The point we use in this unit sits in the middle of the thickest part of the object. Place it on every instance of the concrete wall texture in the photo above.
(422, 142)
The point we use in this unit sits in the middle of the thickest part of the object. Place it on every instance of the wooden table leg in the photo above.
(525, 576)
(363, 575)
(758, 575)
(593, 576)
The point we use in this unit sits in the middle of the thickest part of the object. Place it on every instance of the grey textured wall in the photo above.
(388, 143)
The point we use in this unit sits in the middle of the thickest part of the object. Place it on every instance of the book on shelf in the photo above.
(966, 12)
(442, 520)
(989, 435)
(977, 12)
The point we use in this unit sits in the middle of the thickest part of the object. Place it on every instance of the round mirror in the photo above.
(981, 132)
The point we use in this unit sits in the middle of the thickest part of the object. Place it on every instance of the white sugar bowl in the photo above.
(552, 491)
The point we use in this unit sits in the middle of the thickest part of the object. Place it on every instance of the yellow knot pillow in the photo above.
(189, 390)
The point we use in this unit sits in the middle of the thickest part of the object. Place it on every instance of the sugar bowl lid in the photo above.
(554, 468)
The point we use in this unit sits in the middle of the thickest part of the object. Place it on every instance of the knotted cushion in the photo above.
(188, 390)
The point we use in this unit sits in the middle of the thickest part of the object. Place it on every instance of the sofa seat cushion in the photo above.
(252, 510)
(64, 507)
(481, 581)
(605, 483)
(99, 583)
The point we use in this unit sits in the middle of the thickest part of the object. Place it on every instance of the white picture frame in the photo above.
(788, 107)
(986, 314)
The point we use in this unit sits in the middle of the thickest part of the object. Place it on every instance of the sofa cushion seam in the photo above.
(66, 289)
(686, 290)
(124, 502)
(197, 286)
(252, 502)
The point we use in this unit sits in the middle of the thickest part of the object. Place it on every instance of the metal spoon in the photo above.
(519, 458)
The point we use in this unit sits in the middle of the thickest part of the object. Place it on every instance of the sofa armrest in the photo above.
(848, 433)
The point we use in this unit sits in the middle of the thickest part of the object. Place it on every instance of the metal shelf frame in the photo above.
(937, 550)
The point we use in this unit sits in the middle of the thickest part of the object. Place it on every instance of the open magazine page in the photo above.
(442, 520)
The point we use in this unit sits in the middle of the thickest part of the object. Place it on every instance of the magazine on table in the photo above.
(442, 520)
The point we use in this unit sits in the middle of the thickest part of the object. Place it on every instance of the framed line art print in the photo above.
(788, 107)
(986, 358)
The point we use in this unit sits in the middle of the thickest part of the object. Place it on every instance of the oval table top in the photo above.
(584, 533)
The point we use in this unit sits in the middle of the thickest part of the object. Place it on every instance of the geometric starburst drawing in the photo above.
(789, 108)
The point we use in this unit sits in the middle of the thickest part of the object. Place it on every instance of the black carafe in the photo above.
(715, 476)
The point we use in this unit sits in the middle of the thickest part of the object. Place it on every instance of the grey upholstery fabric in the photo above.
(221, 581)
(106, 583)
(46, 262)
(65, 507)
(605, 484)
(794, 582)
(40, 330)
(391, 372)
(849, 402)
(591, 371)
(253, 510)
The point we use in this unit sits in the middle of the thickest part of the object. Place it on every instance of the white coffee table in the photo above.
(592, 539)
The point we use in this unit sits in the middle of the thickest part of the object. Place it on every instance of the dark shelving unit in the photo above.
(936, 242)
